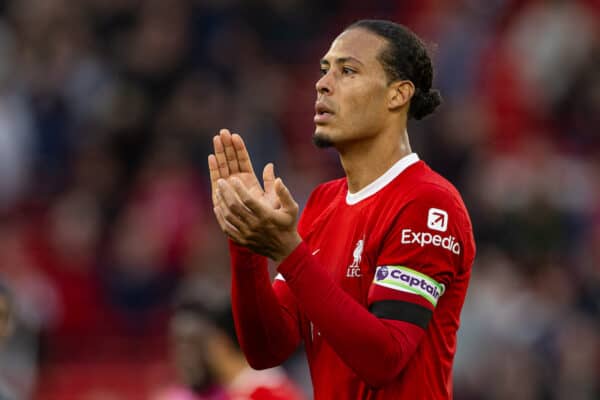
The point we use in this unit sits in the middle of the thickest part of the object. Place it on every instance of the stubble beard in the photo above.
(322, 141)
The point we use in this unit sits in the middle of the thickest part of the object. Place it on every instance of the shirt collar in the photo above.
(383, 180)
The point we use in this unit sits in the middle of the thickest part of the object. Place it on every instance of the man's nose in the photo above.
(324, 85)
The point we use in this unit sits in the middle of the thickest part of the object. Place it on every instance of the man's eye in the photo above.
(323, 71)
(348, 71)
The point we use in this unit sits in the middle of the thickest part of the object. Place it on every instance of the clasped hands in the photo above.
(263, 219)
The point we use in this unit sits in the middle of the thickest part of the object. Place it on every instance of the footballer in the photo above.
(373, 275)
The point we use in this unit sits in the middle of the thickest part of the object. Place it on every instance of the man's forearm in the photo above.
(375, 349)
(266, 332)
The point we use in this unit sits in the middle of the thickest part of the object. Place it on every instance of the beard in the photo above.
(322, 141)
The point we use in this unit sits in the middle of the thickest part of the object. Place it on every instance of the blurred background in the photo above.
(107, 109)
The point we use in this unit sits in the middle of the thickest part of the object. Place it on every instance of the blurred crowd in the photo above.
(107, 109)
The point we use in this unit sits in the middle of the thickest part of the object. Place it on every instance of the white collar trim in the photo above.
(383, 180)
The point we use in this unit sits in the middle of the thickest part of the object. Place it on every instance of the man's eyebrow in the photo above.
(342, 60)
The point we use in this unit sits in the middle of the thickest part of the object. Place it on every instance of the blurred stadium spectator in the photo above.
(107, 108)
(209, 362)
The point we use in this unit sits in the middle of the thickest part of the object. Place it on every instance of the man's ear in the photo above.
(400, 93)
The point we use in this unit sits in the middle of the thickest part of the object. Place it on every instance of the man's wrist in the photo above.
(288, 246)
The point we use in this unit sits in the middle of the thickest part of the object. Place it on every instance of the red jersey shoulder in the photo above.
(427, 195)
(326, 191)
(431, 190)
(319, 200)
(431, 232)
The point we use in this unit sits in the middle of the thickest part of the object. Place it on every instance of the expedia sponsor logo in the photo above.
(425, 238)
(437, 219)
(408, 280)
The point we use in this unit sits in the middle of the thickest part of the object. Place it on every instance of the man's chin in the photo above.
(322, 140)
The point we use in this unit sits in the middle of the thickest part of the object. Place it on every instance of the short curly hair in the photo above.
(405, 57)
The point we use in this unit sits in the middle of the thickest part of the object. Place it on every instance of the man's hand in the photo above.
(256, 224)
(231, 159)
(262, 220)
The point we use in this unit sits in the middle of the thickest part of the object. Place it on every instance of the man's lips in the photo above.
(323, 113)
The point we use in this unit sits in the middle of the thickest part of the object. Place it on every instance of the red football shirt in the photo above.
(375, 290)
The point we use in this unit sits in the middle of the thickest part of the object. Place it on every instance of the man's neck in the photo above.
(367, 160)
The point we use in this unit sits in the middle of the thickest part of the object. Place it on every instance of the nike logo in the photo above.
(316, 251)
